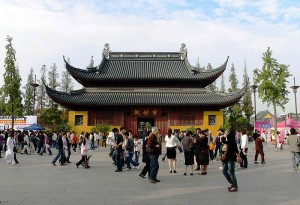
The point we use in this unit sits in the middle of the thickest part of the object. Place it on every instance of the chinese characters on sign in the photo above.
(146, 112)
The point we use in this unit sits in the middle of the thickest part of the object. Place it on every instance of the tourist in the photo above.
(15, 149)
(294, 142)
(218, 145)
(187, 144)
(129, 148)
(26, 144)
(171, 142)
(137, 148)
(83, 150)
(31, 145)
(153, 151)
(60, 147)
(229, 162)
(69, 144)
(145, 159)
(118, 148)
(74, 140)
(211, 146)
(2, 137)
(244, 149)
(259, 149)
(10, 146)
(204, 153)
(197, 148)
(103, 141)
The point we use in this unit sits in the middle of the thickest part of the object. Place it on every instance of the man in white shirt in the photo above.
(263, 135)
(244, 149)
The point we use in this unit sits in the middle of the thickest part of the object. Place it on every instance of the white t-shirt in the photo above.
(244, 141)
(172, 141)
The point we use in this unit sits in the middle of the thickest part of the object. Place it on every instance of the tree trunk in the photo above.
(275, 116)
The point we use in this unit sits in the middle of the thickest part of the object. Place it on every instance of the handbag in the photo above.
(149, 150)
(238, 159)
(224, 157)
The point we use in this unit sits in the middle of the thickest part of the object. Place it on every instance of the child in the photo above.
(83, 150)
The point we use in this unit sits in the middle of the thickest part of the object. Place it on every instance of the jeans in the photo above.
(229, 173)
(154, 166)
(295, 159)
(137, 156)
(60, 154)
(118, 159)
(130, 161)
(244, 158)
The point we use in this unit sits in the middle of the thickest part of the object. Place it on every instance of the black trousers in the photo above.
(146, 168)
(83, 160)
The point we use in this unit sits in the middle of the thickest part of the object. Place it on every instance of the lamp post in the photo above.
(254, 87)
(295, 87)
(34, 85)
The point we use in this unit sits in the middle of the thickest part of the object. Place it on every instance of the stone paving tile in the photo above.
(36, 181)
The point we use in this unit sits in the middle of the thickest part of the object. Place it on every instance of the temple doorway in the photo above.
(143, 123)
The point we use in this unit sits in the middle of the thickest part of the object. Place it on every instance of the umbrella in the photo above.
(34, 127)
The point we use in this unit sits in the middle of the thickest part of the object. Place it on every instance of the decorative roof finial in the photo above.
(91, 65)
(106, 51)
(183, 51)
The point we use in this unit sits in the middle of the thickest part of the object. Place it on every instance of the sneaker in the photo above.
(233, 189)
(184, 174)
(118, 170)
(142, 176)
(152, 181)
(53, 163)
(220, 167)
(263, 162)
(174, 171)
(191, 174)
(156, 180)
(256, 162)
(230, 187)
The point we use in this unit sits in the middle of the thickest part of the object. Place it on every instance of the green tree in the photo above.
(247, 101)
(66, 81)
(272, 82)
(51, 117)
(211, 86)
(12, 83)
(53, 80)
(41, 92)
(103, 128)
(28, 96)
(234, 112)
(222, 89)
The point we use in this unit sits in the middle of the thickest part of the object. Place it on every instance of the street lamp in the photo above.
(254, 87)
(295, 87)
(34, 85)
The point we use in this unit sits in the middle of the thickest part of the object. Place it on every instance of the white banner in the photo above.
(19, 122)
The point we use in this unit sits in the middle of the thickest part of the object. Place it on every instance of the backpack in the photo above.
(211, 146)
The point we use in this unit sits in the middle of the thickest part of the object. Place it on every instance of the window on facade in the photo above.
(104, 119)
(211, 119)
(78, 120)
(187, 119)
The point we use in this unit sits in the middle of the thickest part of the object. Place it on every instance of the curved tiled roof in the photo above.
(141, 69)
(144, 97)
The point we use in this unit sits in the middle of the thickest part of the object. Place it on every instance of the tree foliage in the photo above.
(53, 80)
(29, 94)
(51, 117)
(247, 106)
(272, 82)
(11, 93)
(211, 86)
(66, 81)
(41, 92)
(103, 128)
(222, 88)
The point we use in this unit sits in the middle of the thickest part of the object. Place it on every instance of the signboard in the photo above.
(146, 112)
(19, 122)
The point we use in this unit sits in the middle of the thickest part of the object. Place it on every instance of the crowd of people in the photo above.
(199, 148)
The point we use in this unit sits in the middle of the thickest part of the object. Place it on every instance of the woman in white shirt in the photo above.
(244, 149)
(171, 142)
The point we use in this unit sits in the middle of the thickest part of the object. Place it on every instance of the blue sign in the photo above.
(266, 126)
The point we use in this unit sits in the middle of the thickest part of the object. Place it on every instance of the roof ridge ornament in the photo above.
(106, 51)
(183, 51)
(91, 65)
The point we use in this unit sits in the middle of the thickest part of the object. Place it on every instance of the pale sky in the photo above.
(45, 30)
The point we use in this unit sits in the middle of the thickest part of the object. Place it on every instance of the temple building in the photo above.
(135, 89)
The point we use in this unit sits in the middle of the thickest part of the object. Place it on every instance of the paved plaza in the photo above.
(36, 181)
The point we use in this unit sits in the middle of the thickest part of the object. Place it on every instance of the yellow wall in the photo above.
(212, 128)
(86, 128)
(79, 128)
